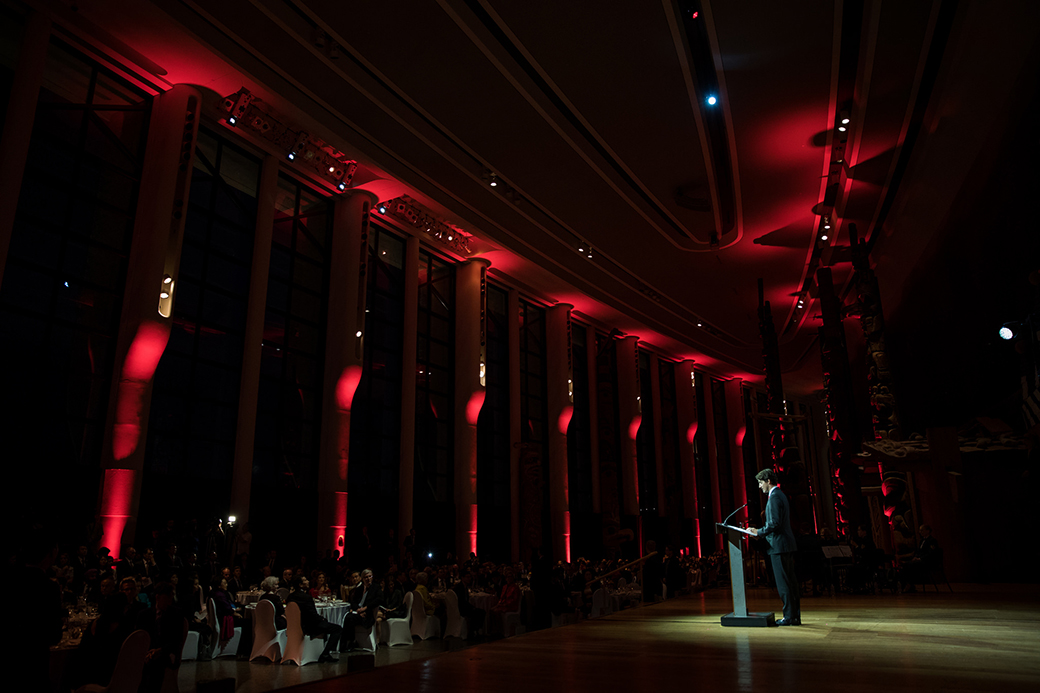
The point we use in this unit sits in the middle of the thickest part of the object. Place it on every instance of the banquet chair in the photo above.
(268, 641)
(191, 646)
(398, 631)
(424, 627)
(511, 620)
(300, 648)
(600, 604)
(283, 593)
(621, 584)
(366, 638)
(126, 677)
(456, 626)
(228, 649)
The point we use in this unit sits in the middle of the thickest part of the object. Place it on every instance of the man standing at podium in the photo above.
(782, 546)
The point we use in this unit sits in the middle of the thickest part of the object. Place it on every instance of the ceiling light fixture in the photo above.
(712, 100)
(823, 237)
(1006, 333)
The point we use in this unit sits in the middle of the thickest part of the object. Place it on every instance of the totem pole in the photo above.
(841, 420)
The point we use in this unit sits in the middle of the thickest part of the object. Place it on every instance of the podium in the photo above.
(740, 616)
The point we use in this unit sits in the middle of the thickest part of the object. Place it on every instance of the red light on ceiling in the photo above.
(694, 15)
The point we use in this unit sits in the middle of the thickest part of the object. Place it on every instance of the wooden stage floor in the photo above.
(979, 638)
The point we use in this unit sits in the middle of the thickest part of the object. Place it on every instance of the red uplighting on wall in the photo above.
(142, 358)
(564, 422)
(691, 433)
(115, 507)
(346, 386)
(338, 528)
(474, 405)
(567, 535)
(633, 427)
(472, 528)
(739, 438)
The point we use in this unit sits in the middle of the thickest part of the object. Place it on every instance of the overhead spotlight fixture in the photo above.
(823, 237)
(342, 187)
(292, 156)
(232, 120)
(382, 208)
(841, 128)
(700, 324)
(1006, 333)
(164, 294)
(827, 224)
(358, 333)
(167, 279)
(332, 169)
(494, 181)
(845, 120)
(712, 100)
(450, 235)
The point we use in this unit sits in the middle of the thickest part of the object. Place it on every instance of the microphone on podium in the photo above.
(726, 521)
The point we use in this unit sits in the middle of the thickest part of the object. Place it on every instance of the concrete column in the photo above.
(470, 342)
(344, 352)
(737, 431)
(593, 353)
(686, 413)
(559, 372)
(144, 324)
(713, 458)
(631, 418)
(409, 337)
(249, 388)
(655, 393)
(18, 123)
(514, 423)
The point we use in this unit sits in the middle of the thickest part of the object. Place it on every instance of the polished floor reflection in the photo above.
(979, 638)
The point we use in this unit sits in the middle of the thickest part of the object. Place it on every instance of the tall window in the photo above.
(579, 453)
(493, 473)
(534, 415)
(434, 414)
(702, 463)
(191, 432)
(292, 360)
(646, 457)
(66, 270)
(722, 447)
(375, 423)
(670, 463)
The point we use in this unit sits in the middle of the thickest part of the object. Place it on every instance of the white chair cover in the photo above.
(511, 619)
(398, 631)
(268, 641)
(228, 649)
(600, 605)
(424, 627)
(299, 648)
(456, 627)
(191, 646)
(621, 583)
(126, 677)
(366, 637)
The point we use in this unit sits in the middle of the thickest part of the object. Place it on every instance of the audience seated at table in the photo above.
(321, 586)
(164, 624)
(364, 603)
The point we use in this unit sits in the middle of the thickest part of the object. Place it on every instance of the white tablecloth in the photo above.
(248, 597)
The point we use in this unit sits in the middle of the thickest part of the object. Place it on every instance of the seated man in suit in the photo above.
(364, 602)
(310, 621)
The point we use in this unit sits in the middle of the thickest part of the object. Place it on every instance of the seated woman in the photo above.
(508, 601)
(321, 586)
(422, 579)
(393, 600)
(228, 615)
(270, 588)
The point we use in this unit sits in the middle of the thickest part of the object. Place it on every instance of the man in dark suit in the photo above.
(782, 546)
(310, 621)
(164, 624)
(364, 601)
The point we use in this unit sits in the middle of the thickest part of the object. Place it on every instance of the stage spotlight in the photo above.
(494, 181)
(342, 187)
(382, 208)
(823, 237)
(1006, 333)
(292, 156)
(232, 121)
(712, 100)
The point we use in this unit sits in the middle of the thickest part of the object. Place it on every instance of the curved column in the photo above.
(470, 342)
(344, 356)
(409, 337)
(249, 387)
(713, 458)
(560, 398)
(151, 283)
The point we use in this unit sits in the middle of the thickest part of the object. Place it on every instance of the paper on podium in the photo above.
(739, 529)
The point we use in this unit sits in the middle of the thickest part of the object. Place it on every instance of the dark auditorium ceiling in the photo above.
(594, 118)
